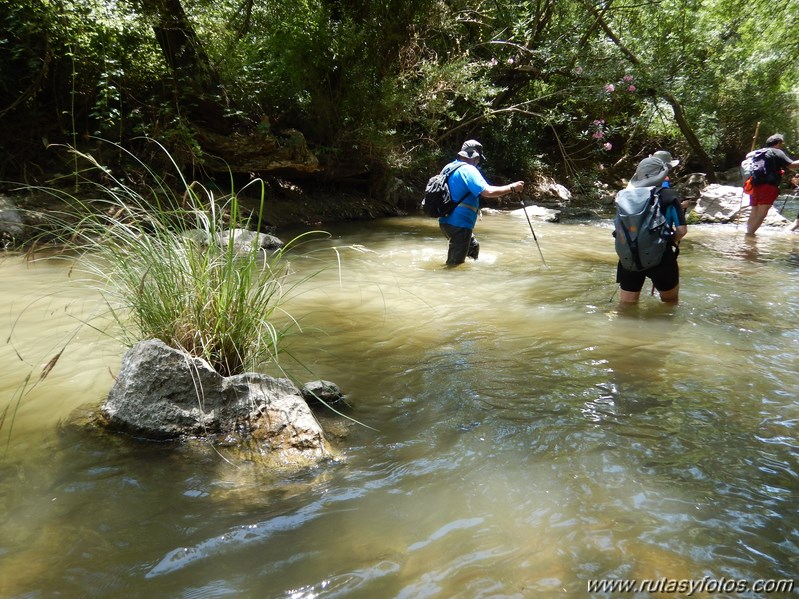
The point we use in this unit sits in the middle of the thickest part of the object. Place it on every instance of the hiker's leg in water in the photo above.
(672, 296)
(666, 278)
(474, 249)
(756, 218)
(459, 240)
(629, 297)
(761, 199)
(630, 284)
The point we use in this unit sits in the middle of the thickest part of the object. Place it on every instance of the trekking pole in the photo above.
(741, 203)
(790, 196)
(529, 222)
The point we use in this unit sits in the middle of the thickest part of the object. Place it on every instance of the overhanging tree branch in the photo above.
(679, 113)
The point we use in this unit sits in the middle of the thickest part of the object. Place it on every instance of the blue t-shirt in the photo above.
(671, 207)
(466, 183)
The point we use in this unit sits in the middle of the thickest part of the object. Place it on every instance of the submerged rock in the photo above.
(12, 227)
(323, 392)
(162, 393)
(243, 240)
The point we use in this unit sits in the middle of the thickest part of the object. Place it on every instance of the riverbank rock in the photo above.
(162, 393)
(548, 190)
(539, 213)
(243, 240)
(322, 392)
(12, 226)
(723, 203)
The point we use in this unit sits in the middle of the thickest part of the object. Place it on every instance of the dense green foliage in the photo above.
(571, 86)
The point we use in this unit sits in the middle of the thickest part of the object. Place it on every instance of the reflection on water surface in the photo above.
(530, 436)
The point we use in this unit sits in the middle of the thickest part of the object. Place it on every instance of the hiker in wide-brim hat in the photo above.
(666, 157)
(653, 172)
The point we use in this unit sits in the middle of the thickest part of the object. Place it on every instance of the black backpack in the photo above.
(642, 236)
(438, 200)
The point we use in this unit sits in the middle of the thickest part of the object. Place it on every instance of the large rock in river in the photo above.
(162, 393)
(726, 204)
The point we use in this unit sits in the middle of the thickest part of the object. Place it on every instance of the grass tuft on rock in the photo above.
(173, 267)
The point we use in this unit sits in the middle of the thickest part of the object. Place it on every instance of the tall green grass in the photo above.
(168, 267)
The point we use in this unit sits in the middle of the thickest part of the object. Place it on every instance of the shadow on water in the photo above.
(531, 434)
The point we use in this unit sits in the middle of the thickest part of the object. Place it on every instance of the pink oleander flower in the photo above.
(598, 123)
(598, 135)
(631, 88)
(627, 78)
(578, 70)
(608, 146)
(610, 88)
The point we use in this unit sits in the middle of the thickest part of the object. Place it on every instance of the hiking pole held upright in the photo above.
(529, 222)
(741, 203)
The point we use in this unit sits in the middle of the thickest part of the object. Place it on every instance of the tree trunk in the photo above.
(197, 90)
(180, 45)
(227, 146)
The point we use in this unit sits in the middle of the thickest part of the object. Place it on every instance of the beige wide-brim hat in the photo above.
(666, 157)
(651, 171)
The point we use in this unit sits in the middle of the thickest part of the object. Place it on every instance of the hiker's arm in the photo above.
(497, 191)
(794, 166)
(680, 231)
(675, 214)
(681, 226)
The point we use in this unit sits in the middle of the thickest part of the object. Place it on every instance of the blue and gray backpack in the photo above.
(641, 232)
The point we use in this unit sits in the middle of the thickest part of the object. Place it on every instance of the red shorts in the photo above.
(763, 194)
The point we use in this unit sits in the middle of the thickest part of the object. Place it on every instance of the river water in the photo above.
(522, 434)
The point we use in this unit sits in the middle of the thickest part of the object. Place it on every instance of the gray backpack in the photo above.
(642, 236)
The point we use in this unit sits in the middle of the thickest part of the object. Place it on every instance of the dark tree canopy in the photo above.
(350, 90)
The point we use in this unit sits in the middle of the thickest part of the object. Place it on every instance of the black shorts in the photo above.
(665, 276)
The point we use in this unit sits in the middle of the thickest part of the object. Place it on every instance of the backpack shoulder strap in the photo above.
(451, 168)
(447, 173)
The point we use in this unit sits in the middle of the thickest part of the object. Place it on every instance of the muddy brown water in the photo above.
(527, 435)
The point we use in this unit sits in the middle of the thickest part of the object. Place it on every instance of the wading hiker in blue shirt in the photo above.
(653, 172)
(467, 186)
